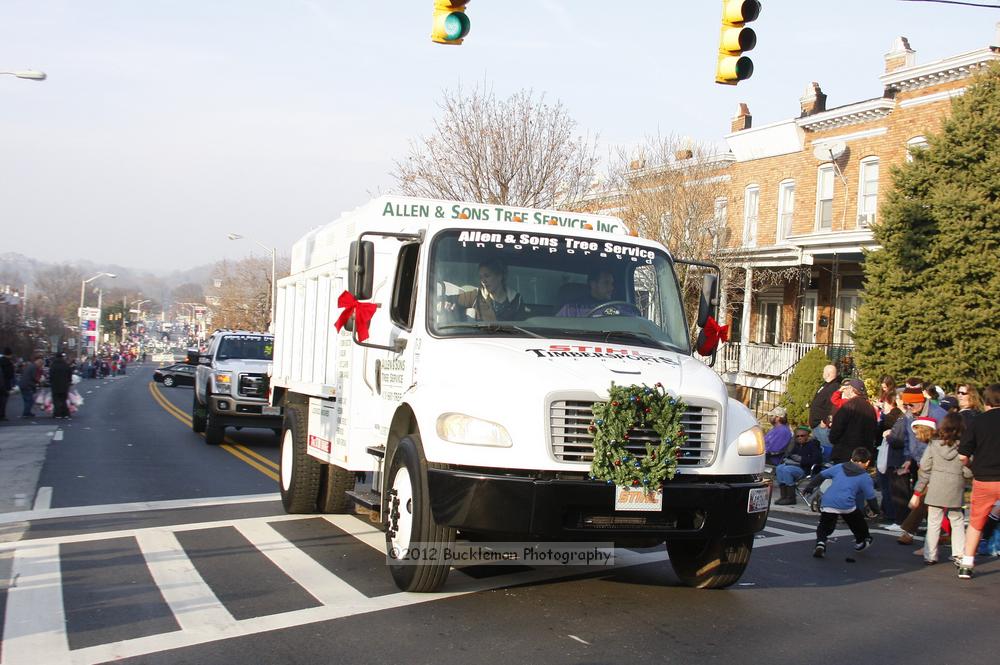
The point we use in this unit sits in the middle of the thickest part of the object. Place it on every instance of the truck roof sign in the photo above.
(434, 210)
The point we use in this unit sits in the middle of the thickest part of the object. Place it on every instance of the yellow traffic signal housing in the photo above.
(735, 38)
(451, 24)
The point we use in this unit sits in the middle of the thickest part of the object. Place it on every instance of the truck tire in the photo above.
(710, 564)
(335, 483)
(198, 414)
(214, 432)
(299, 474)
(409, 520)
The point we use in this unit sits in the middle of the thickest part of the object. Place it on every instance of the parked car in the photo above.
(180, 374)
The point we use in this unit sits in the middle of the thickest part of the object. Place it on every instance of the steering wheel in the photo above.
(614, 308)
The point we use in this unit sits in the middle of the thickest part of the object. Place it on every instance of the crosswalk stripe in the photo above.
(192, 602)
(366, 533)
(35, 625)
(34, 628)
(319, 582)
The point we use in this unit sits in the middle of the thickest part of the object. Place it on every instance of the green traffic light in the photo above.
(456, 26)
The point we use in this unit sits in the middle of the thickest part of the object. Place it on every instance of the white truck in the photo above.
(231, 384)
(448, 421)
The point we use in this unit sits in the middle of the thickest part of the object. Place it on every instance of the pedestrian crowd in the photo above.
(919, 446)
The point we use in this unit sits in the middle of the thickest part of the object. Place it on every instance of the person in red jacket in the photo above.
(980, 450)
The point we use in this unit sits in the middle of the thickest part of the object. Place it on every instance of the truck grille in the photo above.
(571, 442)
(253, 385)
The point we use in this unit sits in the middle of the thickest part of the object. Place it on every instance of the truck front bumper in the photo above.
(241, 413)
(584, 510)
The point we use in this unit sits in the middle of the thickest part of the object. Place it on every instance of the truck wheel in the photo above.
(710, 564)
(214, 432)
(299, 473)
(335, 483)
(410, 521)
(198, 414)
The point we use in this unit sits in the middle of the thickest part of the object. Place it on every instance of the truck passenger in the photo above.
(492, 301)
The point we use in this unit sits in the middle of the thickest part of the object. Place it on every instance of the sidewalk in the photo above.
(23, 444)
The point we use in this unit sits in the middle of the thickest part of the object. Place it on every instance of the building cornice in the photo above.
(852, 114)
(954, 68)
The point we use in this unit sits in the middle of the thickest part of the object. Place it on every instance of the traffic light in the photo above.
(451, 24)
(735, 38)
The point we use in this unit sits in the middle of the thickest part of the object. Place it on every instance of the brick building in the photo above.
(803, 195)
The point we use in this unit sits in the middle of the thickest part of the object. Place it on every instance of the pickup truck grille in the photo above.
(571, 442)
(253, 385)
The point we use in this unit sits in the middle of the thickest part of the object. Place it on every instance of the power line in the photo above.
(958, 2)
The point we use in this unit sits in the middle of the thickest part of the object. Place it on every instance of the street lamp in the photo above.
(274, 284)
(30, 74)
(84, 283)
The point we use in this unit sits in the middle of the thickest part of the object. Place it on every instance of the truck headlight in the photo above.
(222, 381)
(460, 428)
(751, 442)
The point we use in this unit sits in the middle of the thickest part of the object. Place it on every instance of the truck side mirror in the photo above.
(192, 357)
(709, 301)
(361, 269)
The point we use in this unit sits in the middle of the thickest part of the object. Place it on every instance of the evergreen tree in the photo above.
(932, 293)
(803, 382)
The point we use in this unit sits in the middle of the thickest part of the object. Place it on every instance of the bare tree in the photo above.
(241, 292)
(189, 292)
(516, 151)
(674, 191)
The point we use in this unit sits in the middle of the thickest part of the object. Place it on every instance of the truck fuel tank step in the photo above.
(365, 499)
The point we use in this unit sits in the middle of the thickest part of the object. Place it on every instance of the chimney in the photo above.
(813, 101)
(900, 56)
(743, 119)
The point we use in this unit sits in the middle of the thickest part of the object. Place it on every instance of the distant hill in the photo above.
(16, 270)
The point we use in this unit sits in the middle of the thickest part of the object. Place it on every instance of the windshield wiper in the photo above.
(643, 336)
(491, 327)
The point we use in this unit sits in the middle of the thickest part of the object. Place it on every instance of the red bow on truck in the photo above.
(361, 311)
(711, 335)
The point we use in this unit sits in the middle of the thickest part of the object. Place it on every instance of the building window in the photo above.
(914, 144)
(807, 318)
(847, 313)
(769, 321)
(721, 221)
(751, 209)
(786, 209)
(868, 192)
(824, 198)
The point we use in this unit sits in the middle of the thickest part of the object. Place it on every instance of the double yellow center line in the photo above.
(268, 467)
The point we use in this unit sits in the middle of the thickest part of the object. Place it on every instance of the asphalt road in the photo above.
(161, 549)
(126, 445)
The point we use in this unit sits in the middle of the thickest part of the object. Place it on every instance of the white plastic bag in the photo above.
(882, 460)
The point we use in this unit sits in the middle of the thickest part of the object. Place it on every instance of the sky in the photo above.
(165, 125)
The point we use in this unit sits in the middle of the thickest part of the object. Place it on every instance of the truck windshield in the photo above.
(528, 284)
(246, 347)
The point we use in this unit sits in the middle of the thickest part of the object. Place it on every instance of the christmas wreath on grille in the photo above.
(629, 408)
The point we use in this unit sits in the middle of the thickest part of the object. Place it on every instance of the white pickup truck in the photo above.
(231, 384)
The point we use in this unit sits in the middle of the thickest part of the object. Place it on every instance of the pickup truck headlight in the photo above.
(460, 428)
(751, 442)
(222, 381)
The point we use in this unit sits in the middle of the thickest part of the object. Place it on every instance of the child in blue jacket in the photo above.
(851, 482)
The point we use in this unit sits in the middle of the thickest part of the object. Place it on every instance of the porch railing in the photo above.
(774, 362)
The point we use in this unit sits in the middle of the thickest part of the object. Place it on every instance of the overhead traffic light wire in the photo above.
(958, 2)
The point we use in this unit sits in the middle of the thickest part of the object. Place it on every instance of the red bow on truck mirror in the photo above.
(361, 311)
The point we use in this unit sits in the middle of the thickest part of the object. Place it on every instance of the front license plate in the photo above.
(271, 411)
(760, 498)
(636, 498)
